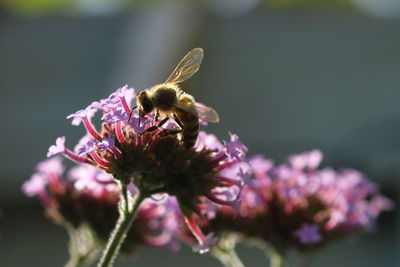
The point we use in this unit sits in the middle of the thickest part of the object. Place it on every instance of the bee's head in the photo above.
(144, 103)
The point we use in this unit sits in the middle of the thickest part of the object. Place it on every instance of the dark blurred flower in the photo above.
(155, 161)
(86, 196)
(297, 204)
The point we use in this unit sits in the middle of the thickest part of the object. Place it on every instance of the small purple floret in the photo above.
(120, 92)
(260, 165)
(310, 159)
(59, 147)
(209, 140)
(235, 149)
(35, 186)
(308, 234)
(115, 115)
(80, 114)
(106, 143)
(87, 147)
(53, 165)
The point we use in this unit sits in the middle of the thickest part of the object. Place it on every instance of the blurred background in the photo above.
(285, 75)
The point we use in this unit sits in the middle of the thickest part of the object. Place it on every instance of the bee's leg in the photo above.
(153, 128)
(130, 113)
(166, 132)
(178, 121)
(140, 118)
(156, 117)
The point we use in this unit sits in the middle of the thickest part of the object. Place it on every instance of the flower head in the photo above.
(132, 151)
(86, 195)
(296, 204)
(48, 172)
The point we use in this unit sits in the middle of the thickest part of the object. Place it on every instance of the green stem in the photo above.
(276, 258)
(80, 260)
(74, 261)
(82, 248)
(228, 258)
(124, 222)
(125, 197)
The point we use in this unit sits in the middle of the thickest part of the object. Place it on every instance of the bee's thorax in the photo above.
(164, 97)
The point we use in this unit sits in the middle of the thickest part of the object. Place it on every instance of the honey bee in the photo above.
(167, 99)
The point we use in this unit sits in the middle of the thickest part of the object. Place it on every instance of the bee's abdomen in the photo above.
(190, 129)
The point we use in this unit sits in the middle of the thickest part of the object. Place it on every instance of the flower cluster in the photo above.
(297, 204)
(142, 181)
(85, 196)
(134, 152)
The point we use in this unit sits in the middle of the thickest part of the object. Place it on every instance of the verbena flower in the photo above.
(155, 161)
(86, 196)
(298, 205)
(308, 234)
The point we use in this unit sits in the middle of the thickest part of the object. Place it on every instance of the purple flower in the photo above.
(139, 125)
(252, 199)
(81, 143)
(235, 149)
(308, 234)
(106, 143)
(89, 197)
(78, 116)
(155, 162)
(58, 148)
(106, 104)
(299, 161)
(260, 165)
(48, 172)
(282, 172)
(92, 180)
(115, 115)
(239, 172)
(310, 159)
(85, 115)
(121, 97)
(53, 165)
(120, 92)
(35, 186)
(208, 140)
(378, 204)
(314, 158)
(87, 147)
(325, 203)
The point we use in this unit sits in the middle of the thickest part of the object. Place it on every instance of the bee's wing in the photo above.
(188, 66)
(201, 111)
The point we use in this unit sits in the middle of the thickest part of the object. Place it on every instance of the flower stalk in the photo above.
(127, 210)
(225, 252)
(276, 259)
(83, 249)
(79, 260)
(228, 258)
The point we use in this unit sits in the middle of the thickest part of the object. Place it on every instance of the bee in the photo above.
(168, 100)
